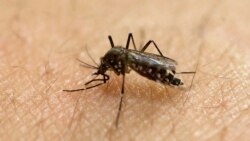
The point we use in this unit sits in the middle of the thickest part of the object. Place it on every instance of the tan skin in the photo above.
(39, 42)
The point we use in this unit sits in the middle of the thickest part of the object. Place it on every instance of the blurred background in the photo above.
(39, 41)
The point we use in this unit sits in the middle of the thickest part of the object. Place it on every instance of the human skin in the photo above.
(40, 41)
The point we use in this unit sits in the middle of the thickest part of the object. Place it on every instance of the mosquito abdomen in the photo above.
(152, 69)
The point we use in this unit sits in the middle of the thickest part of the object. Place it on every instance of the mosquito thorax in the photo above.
(114, 59)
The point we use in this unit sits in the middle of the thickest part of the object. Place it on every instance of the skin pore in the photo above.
(40, 41)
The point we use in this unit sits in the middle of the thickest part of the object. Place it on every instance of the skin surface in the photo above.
(40, 40)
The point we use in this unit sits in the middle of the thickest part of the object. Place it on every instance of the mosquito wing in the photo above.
(152, 60)
(168, 62)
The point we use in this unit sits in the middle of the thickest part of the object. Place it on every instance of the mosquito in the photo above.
(121, 60)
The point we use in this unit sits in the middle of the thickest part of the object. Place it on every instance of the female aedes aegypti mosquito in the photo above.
(155, 67)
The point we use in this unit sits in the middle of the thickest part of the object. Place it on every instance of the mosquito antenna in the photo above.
(86, 64)
(86, 48)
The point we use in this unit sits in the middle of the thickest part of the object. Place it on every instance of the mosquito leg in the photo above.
(122, 93)
(120, 104)
(76, 90)
(93, 81)
(105, 78)
(147, 45)
(130, 36)
(111, 41)
(95, 85)
(187, 72)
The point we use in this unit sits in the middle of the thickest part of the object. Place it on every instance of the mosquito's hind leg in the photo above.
(147, 45)
(130, 36)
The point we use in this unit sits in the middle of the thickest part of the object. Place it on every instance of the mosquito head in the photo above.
(102, 68)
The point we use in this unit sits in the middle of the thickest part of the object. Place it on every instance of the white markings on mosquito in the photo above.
(149, 71)
(158, 75)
